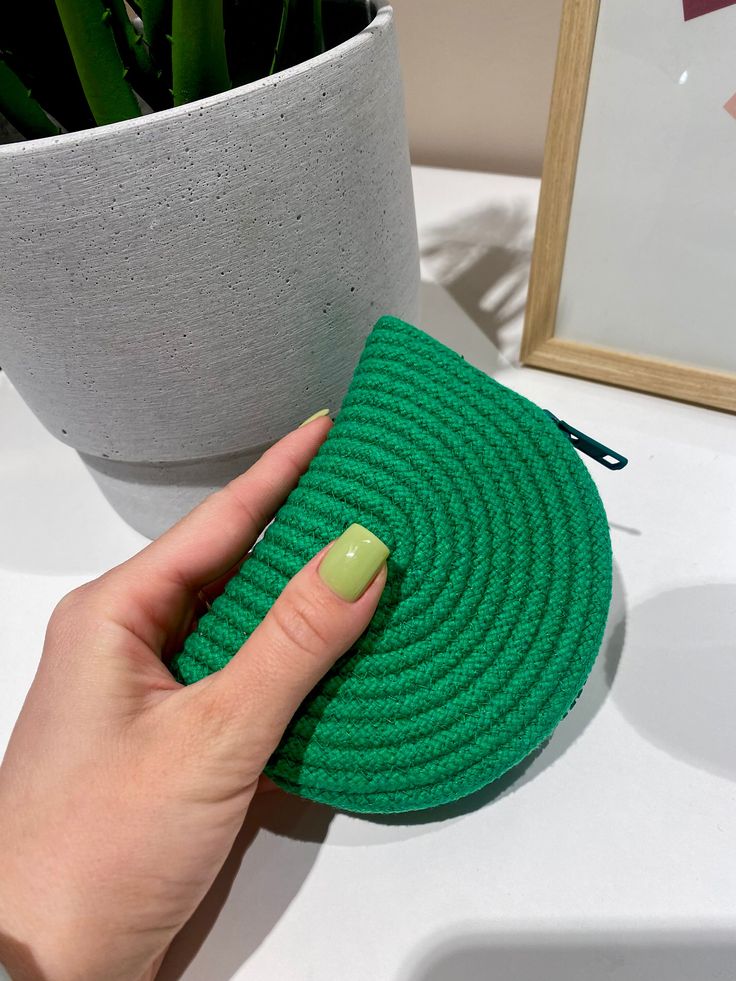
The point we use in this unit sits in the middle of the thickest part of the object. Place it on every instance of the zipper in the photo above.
(590, 447)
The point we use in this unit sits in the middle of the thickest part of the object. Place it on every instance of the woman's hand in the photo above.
(121, 792)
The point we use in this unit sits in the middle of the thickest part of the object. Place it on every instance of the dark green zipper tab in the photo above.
(590, 447)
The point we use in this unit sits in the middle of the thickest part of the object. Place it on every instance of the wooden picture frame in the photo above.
(540, 347)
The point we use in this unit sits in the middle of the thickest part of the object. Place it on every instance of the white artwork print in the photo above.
(650, 266)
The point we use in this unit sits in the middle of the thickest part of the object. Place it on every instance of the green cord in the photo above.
(499, 582)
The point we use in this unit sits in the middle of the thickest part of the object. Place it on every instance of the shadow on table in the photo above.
(532, 956)
(482, 259)
(269, 862)
(595, 693)
(261, 877)
(53, 519)
(677, 681)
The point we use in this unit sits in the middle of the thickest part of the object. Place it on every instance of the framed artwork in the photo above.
(633, 277)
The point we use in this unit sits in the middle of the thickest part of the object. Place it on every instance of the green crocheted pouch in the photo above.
(497, 595)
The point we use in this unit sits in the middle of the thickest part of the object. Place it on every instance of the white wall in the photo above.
(478, 77)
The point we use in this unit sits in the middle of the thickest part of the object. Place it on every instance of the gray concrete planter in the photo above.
(178, 291)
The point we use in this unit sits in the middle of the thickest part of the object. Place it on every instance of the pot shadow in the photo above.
(678, 677)
(54, 520)
(526, 955)
(263, 873)
(482, 258)
(570, 729)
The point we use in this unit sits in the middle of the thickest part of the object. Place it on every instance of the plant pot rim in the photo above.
(379, 24)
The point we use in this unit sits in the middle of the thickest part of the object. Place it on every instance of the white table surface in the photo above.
(611, 855)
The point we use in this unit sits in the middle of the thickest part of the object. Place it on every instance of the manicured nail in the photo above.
(315, 415)
(352, 563)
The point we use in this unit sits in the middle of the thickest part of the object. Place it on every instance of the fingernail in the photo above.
(315, 415)
(351, 564)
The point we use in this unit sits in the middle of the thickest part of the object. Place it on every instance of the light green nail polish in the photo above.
(352, 563)
(315, 415)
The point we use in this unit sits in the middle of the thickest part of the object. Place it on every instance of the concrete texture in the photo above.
(179, 290)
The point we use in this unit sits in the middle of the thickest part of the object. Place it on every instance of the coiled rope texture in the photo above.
(497, 596)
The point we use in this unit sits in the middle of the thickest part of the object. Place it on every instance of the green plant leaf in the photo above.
(317, 31)
(137, 58)
(43, 61)
(198, 59)
(101, 70)
(286, 7)
(156, 17)
(18, 105)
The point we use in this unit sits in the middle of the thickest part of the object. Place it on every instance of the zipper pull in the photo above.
(590, 447)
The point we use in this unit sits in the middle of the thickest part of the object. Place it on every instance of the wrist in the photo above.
(37, 939)
(57, 948)
(17, 961)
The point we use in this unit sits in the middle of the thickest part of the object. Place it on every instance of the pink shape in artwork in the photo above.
(696, 8)
(730, 106)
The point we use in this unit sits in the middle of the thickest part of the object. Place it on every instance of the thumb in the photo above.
(319, 615)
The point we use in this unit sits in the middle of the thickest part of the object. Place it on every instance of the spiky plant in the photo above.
(70, 64)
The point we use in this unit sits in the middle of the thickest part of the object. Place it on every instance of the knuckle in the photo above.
(70, 605)
(77, 606)
(301, 624)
